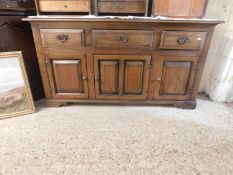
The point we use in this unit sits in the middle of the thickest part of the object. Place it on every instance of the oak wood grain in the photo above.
(72, 38)
(134, 81)
(122, 38)
(179, 8)
(109, 77)
(133, 78)
(121, 76)
(174, 77)
(68, 76)
(173, 40)
(122, 7)
(64, 5)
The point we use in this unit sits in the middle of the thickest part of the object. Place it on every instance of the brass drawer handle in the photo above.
(122, 38)
(183, 40)
(63, 37)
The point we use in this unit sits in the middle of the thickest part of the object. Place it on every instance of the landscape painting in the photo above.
(15, 94)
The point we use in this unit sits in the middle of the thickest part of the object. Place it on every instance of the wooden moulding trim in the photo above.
(178, 104)
(133, 102)
(41, 18)
(37, 7)
(205, 8)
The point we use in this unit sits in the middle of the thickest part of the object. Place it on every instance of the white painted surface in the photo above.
(217, 81)
(10, 74)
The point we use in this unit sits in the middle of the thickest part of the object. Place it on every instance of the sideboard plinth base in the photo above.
(177, 104)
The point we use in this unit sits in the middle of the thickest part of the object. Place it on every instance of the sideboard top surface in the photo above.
(89, 18)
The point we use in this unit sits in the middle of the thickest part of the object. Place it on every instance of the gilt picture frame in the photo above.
(15, 93)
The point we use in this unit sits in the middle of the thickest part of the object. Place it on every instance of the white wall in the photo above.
(217, 80)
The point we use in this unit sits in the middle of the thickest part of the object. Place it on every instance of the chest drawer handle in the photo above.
(183, 40)
(63, 37)
(122, 38)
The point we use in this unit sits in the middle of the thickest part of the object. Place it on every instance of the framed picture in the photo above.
(15, 94)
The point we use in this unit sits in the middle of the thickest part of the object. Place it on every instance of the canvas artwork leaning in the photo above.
(15, 94)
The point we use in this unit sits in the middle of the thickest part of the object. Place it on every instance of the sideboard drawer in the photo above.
(64, 5)
(122, 38)
(182, 40)
(122, 6)
(63, 38)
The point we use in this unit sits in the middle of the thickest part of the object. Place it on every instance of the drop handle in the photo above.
(84, 77)
(122, 38)
(183, 40)
(63, 37)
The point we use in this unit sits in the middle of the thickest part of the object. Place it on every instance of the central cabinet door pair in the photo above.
(123, 77)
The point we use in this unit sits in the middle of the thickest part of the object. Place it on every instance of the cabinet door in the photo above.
(174, 77)
(109, 72)
(68, 76)
(121, 76)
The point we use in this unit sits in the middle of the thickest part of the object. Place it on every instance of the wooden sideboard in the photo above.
(121, 60)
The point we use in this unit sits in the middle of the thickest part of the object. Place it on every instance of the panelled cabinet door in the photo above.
(174, 77)
(68, 76)
(109, 72)
(121, 76)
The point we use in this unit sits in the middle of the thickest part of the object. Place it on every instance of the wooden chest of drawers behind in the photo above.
(120, 7)
(170, 8)
(122, 61)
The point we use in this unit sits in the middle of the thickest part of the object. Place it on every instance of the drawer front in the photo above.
(122, 7)
(122, 38)
(63, 38)
(64, 6)
(182, 40)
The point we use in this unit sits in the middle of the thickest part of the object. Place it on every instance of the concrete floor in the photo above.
(119, 140)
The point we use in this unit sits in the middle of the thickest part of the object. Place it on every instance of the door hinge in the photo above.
(51, 89)
(197, 67)
(46, 64)
(150, 66)
(191, 90)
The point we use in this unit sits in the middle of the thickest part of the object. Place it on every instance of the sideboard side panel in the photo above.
(41, 59)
